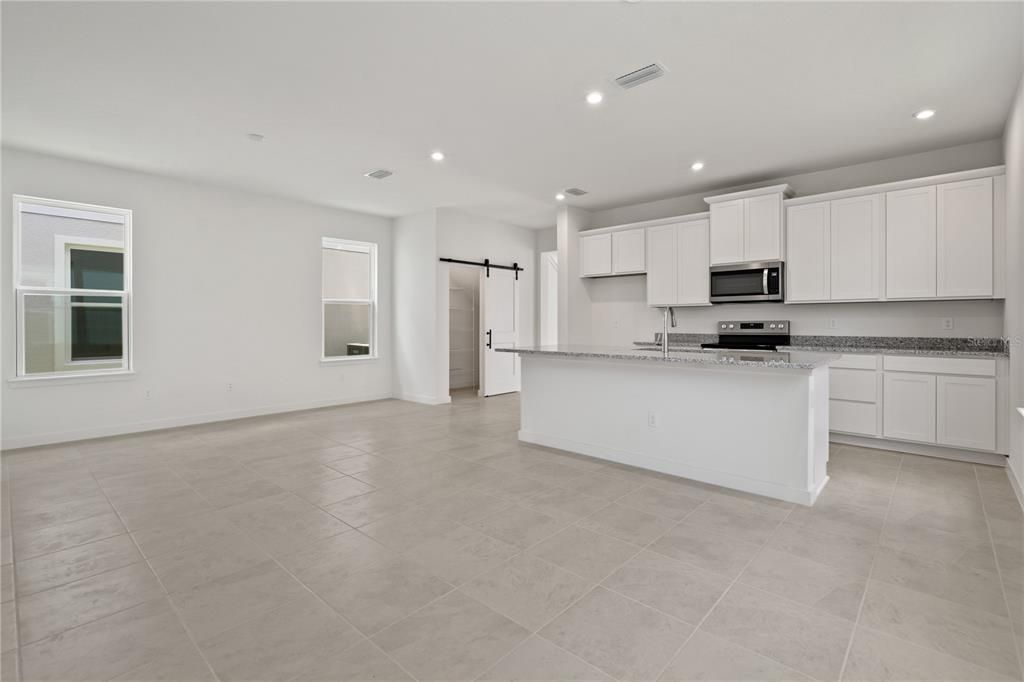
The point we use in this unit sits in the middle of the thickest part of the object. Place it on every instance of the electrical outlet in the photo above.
(947, 323)
(231, 387)
(149, 394)
(652, 420)
(833, 323)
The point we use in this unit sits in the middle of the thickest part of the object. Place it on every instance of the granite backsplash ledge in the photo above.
(893, 343)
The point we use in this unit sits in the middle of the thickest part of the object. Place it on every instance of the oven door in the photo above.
(746, 283)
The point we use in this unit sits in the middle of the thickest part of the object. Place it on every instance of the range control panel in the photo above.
(753, 327)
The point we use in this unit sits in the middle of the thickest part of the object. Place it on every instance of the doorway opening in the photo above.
(463, 329)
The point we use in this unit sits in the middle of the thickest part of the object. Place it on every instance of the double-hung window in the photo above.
(72, 284)
(348, 299)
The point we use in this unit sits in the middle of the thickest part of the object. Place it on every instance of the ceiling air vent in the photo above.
(379, 174)
(641, 76)
(576, 191)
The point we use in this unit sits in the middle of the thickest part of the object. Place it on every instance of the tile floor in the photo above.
(393, 541)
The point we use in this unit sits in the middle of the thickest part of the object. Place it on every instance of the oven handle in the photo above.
(764, 281)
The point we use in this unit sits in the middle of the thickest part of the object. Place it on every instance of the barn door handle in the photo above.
(488, 338)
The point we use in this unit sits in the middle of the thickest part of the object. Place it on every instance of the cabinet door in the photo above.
(807, 252)
(909, 406)
(763, 228)
(910, 243)
(694, 263)
(855, 246)
(967, 412)
(964, 238)
(662, 265)
(596, 255)
(727, 232)
(628, 255)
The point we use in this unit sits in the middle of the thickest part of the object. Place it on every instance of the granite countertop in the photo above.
(796, 359)
(866, 345)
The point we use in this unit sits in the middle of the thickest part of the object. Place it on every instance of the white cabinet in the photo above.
(855, 248)
(762, 222)
(847, 416)
(964, 239)
(694, 263)
(662, 265)
(677, 264)
(628, 253)
(807, 252)
(909, 406)
(596, 255)
(966, 412)
(619, 252)
(747, 226)
(727, 220)
(910, 243)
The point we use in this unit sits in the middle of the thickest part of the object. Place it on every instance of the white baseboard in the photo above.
(971, 456)
(424, 399)
(804, 497)
(173, 422)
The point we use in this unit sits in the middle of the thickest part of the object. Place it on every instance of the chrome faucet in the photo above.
(668, 315)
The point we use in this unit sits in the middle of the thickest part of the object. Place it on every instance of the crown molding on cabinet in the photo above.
(784, 189)
(990, 171)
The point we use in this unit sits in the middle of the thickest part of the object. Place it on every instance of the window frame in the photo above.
(369, 248)
(122, 216)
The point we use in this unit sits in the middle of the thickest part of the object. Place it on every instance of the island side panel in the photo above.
(751, 429)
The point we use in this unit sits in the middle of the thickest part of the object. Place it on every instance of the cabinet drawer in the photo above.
(853, 384)
(851, 417)
(853, 361)
(983, 367)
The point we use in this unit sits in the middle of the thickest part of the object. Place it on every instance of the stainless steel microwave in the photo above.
(747, 282)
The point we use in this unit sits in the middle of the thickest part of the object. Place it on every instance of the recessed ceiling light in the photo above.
(437, 156)
(560, 197)
(924, 114)
(697, 165)
(255, 137)
(595, 97)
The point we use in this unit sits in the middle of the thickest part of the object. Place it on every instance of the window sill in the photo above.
(348, 358)
(78, 378)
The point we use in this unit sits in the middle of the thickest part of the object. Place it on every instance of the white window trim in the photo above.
(28, 204)
(349, 245)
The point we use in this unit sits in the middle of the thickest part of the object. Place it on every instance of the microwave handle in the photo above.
(764, 281)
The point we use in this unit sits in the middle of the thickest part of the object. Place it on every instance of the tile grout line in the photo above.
(167, 596)
(722, 596)
(871, 569)
(999, 573)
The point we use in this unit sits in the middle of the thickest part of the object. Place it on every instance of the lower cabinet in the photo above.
(848, 416)
(909, 406)
(966, 412)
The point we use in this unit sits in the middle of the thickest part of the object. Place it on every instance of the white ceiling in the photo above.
(338, 89)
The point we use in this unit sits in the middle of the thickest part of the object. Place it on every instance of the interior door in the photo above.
(499, 304)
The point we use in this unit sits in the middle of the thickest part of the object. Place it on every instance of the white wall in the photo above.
(1014, 143)
(618, 313)
(415, 321)
(948, 160)
(226, 290)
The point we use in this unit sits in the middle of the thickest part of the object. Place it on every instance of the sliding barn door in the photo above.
(499, 303)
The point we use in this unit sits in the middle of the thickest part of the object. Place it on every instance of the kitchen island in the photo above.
(751, 421)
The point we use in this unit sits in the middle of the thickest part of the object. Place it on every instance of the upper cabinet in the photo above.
(910, 243)
(940, 241)
(908, 240)
(964, 239)
(596, 255)
(747, 226)
(620, 252)
(677, 264)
